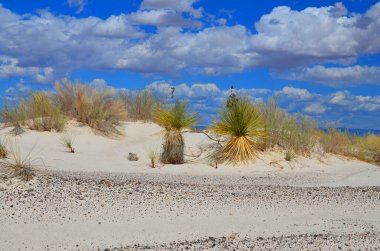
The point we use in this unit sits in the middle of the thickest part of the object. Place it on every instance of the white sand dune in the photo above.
(97, 199)
(96, 153)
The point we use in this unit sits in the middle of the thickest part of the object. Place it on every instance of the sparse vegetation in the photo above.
(174, 120)
(94, 106)
(68, 142)
(152, 155)
(3, 150)
(141, 106)
(17, 166)
(241, 124)
(38, 112)
(295, 134)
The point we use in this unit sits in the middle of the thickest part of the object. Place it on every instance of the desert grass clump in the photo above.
(174, 120)
(44, 114)
(17, 167)
(296, 134)
(3, 150)
(37, 112)
(152, 155)
(241, 124)
(14, 115)
(369, 149)
(141, 105)
(92, 105)
(68, 142)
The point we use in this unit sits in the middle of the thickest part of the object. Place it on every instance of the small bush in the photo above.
(293, 133)
(15, 115)
(141, 106)
(38, 112)
(44, 114)
(95, 106)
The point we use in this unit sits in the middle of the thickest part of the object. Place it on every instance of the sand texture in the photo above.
(96, 199)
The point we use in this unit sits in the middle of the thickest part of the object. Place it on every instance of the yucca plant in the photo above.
(174, 120)
(242, 126)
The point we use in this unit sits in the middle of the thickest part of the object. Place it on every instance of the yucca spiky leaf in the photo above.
(243, 127)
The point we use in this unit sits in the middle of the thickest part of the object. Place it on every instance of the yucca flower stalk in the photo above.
(174, 120)
(242, 126)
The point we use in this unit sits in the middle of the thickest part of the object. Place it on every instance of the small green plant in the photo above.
(68, 142)
(3, 150)
(152, 155)
(290, 155)
(17, 166)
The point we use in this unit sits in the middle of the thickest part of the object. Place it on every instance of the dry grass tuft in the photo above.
(3, 150)
(152, 155)
(294, 134)
(38, 112)
(92, 105)
(17, 167)
(68, 142)
(141, 106)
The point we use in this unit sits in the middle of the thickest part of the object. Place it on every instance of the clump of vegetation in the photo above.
(243, 127)
(15, 115)
(68, 142)
(94, 106)
(3, 150)
(294, 134)
(38, 112)
(141, 106)
(289, 155)
(152, 155)
(174, 120)
(44, 114)
(365, 148)
(369, 149)
(17, 166)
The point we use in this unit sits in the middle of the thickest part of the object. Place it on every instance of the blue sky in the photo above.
(320, 57)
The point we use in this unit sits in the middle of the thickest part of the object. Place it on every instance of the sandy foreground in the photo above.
(96, 199)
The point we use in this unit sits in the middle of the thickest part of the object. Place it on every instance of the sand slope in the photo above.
(96, 153)
(97, 199)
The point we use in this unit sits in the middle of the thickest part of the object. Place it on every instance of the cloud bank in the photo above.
(184, 41)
